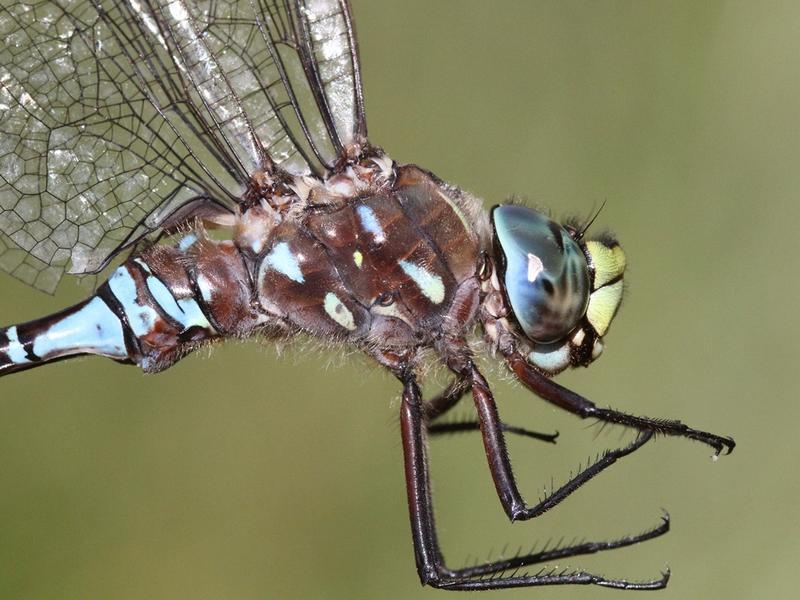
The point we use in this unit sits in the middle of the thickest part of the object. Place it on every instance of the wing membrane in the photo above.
(330, 59)
(115, 115)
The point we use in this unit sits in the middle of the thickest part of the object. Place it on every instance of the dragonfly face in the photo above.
(561, 292)
(130, 129)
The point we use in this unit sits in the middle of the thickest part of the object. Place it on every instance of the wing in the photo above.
(118, 117)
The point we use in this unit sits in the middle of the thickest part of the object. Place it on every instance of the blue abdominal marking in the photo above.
(94, 328)
(430, 284)
(15, 350)
(141, 318)
(205, 287)
(283, 261)
(184, 311)
(369, 221)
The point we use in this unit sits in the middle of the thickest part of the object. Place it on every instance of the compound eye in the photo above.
(543, 271)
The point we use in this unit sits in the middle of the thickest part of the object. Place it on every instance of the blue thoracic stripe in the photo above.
(428, 282)
(282, 259)
(369, 221)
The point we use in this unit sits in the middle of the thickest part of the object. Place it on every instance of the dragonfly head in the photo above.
(561, 291)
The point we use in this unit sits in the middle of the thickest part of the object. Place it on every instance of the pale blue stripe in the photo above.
(283, 261)
(164, 298)
(206, 290)
(142, 319)
(369, 221)
(187, 242)
(430, 284)
(93, 329)
(15, 350)
(185, 311)
(194, 316)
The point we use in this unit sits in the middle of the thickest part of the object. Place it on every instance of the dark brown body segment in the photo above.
(399, 261)
(210, 274)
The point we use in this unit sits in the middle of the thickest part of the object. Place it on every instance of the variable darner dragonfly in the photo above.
(224, 148)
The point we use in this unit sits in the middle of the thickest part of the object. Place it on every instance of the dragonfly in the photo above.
(211, 161)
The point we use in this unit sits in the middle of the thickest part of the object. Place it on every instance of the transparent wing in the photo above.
(115, 116)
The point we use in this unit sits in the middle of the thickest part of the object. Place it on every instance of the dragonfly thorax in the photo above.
(380, 260)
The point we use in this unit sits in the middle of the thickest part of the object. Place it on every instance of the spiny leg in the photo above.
(558, 553)
(500, 465)
(430, 563)
(461, 426)
(551, 391)
(449, 397)
(446, 399)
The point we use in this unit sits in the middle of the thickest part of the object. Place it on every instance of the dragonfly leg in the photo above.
(460, 426)
(551, 391)
(446, 399)
(430, 562)
(449, 397)
(500, 465)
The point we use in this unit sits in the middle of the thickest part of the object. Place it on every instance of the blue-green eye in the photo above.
(544, 272)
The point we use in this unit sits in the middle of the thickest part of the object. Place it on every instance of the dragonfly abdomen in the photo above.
(66, 333)
(153, 309)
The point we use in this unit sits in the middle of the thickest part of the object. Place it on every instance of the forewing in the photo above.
(296, 61)
(117, 115)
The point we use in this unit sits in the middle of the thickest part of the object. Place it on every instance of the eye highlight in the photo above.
(543, 270)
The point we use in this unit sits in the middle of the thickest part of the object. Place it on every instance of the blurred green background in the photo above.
(249, 474)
